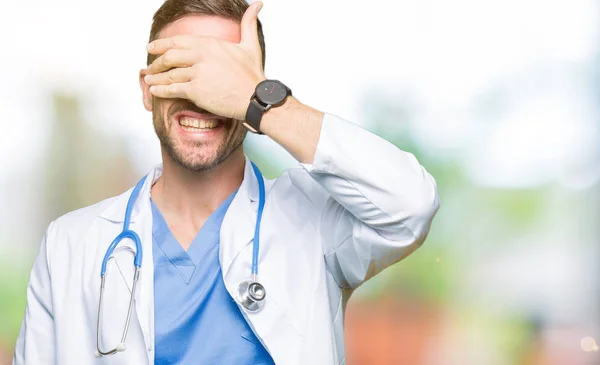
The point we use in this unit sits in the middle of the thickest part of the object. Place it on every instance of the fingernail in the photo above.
(146, 78)
(150, 46)
(260, 5)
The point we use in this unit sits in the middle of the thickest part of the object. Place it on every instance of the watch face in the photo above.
(271, 92)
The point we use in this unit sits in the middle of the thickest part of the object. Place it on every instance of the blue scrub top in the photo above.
(196, 321)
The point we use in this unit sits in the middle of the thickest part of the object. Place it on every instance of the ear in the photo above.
(146, 95)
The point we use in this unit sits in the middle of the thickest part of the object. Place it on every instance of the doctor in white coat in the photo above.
(355, 205)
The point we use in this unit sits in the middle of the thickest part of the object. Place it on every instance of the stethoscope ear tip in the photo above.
(97, 353)
(121, 347)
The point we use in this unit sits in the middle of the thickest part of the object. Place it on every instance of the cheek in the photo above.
(235, 131)
(156, 106)
(160, 108)
(239, 132)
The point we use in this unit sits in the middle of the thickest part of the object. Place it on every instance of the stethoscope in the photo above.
(250, 294)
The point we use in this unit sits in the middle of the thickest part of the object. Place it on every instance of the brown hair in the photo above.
(172, 10)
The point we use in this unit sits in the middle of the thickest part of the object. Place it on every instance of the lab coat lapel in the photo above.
(271, 324)
(237, 228)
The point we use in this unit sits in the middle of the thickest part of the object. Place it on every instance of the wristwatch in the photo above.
(268, 94)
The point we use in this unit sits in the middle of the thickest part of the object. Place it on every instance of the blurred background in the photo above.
(499, 100)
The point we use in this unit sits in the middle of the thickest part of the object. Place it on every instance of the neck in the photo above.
(193, 196)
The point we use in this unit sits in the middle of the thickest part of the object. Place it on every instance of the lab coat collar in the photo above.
(237, 229)
(116, 211)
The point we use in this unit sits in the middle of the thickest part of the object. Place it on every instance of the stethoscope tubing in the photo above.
(261, 205)
(127, 233)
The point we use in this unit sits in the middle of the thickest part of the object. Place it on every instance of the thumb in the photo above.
(249, 26)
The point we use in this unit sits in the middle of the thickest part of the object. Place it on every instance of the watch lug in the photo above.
(250, 128)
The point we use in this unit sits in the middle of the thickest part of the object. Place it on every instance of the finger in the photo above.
(173, 76)
(172, 91)
(249, 26)
(173, 58)
(182, 41)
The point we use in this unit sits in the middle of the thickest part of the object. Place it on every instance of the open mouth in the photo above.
(196, 122)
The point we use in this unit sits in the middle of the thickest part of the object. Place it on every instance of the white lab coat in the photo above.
(362, 205)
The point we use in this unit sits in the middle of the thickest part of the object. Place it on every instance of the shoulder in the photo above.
(75, 223)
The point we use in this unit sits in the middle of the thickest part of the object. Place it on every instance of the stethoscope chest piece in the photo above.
(251, 294)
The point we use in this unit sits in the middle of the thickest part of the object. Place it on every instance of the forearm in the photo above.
(294, 126)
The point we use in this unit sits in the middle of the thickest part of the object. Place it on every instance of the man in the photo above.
(356, 205)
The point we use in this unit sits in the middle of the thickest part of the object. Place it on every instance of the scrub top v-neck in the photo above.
(196, 320)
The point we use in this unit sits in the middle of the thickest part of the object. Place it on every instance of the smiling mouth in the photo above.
(193, 119)
(194, 124)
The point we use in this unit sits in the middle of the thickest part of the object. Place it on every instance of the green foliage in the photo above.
(13, 284)
(508, 336)
(267, 167)
(518, 208)
(426, 275)
(467, 212)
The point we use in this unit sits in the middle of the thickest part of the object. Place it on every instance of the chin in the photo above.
(198, 166)
(202, 163)
(199, 156)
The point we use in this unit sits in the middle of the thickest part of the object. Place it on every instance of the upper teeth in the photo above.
(198, 123)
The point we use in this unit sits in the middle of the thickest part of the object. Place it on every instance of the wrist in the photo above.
(268, 94)
(273, 115)
(288, 116)
(296, 127)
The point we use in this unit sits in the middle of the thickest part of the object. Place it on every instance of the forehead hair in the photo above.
(172, 10)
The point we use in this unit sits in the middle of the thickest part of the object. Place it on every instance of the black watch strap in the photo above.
(254, 115)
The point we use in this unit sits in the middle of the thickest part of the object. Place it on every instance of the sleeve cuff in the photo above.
(331, 126)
